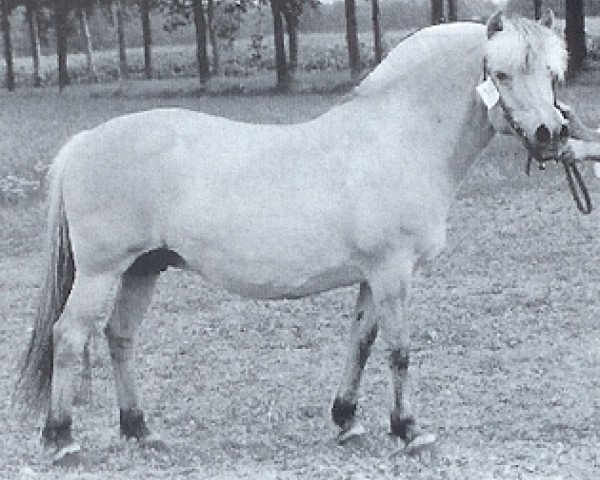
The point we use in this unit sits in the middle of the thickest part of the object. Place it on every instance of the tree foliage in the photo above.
(526, 8)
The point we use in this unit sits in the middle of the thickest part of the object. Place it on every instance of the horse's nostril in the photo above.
(564, 132)
(543, 135)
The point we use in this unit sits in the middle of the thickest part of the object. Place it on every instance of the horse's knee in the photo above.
(69, 342)
(119, 344)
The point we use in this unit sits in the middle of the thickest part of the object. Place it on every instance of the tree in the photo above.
(122, 44)
(377, 44)
(537, 9)
(352, 38)
(575, 35)
(283, 75)
(61, 11)
(437, 12)
(179, 12)
(212, 36)
(291, 13)
(201, 52)
(292, 10)
(31, 16)
(81, 11)
(6, 10)
(144, 7)
(452, 11)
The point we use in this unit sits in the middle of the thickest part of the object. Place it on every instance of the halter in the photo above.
(575, 181)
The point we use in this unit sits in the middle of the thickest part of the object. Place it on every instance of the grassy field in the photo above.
(506, 335)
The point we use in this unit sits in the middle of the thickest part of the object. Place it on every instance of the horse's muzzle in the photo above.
(549, 144)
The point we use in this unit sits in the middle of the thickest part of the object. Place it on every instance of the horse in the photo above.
(359, 195)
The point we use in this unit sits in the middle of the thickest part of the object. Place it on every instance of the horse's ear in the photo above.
(548, 19)
(495, 24)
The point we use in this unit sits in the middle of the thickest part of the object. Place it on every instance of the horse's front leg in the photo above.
(363, 334)
(390, 287)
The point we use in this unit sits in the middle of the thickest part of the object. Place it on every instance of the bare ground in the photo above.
(505, 333)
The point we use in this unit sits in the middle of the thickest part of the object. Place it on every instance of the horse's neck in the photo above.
(439, 111)
(475, 133)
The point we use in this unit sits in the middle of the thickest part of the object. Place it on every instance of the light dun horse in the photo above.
(358, 195)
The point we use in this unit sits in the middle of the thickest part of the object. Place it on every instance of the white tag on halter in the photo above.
(488, 93)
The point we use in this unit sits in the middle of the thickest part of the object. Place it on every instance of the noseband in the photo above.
(575, 181)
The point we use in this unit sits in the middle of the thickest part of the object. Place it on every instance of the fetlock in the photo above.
(403, 428)
(133, 425)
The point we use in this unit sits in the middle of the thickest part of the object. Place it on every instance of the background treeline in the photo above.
(525, 7)
(104, 40)
(396, 15)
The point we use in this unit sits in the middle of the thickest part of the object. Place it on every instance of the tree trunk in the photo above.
(122, 44)
(31, 14)
(575, 35)
(8, 49)
(283, 76)
(375, 17)
(201, 54)
(352, 38)
(537, 9)
(147, 34)
(86, 38)
(212, 36)
(452, 11)
(291, 23)
(437, 12)
(62, 10)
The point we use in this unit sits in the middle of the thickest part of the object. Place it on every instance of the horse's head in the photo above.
(523, 62)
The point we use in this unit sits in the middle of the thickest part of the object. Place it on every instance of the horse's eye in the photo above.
(502, 76)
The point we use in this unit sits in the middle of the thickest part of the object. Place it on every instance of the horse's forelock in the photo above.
(524, 44)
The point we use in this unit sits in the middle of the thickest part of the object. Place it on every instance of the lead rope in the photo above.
(578, 188)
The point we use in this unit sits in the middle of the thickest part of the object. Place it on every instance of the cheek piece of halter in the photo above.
(575, 181)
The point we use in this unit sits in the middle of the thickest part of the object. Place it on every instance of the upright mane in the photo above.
(423, 52)
(525, 45)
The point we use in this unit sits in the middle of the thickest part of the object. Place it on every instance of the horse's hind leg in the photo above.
(83, 396)
(133, 298)
(84, 306)
(363, 334)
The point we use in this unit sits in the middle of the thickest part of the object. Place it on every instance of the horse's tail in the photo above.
(35, 378)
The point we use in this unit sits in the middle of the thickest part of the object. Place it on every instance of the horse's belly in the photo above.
(282, 287)
(261, 276)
